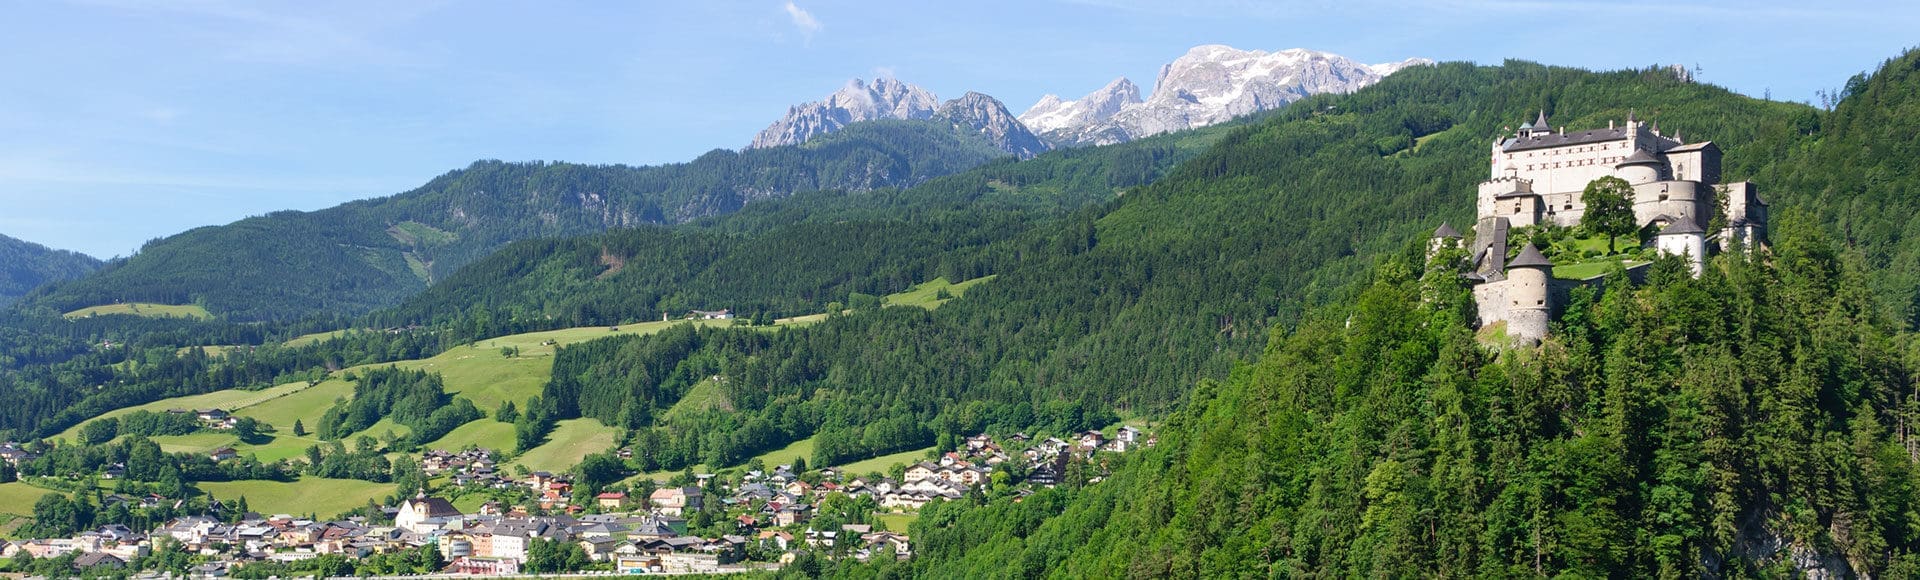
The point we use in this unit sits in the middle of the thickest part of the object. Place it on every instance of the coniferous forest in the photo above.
(1258, 289)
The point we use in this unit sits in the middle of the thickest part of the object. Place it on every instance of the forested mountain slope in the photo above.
(794, 256)
(26, 265)
(366, 254)
(1123, 310)
(1748, 423)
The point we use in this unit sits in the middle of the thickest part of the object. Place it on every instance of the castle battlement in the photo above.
(1538, 175)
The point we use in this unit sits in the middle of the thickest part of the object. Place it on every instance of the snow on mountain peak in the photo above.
(1208, 84)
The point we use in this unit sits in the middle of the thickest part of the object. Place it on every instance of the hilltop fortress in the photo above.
(1537, 177)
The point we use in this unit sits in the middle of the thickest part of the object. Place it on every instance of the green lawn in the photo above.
(926, 294)
(898, 522)
(17, 498)
(486, 433)
(310, 495)
(230, 399)
(144, 309)
(1585, 270)
(883, 462)
(571, 441)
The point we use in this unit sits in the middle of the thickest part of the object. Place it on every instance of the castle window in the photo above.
(1539, 302)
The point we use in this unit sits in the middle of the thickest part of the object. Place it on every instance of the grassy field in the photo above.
(927, 294)
(486, 433)
(478, 372)
(1585, 270)
(704, 395)
(571, 441)
(144, 309)
(307, 339)
(481, 374)
(304, 405)
(17, 498)
(883, 462)
(898, 522)
(802, 449)
(309, 495)
(231, 400)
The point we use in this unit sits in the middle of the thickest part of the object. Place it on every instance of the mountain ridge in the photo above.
(26, 265)
(1208, 84)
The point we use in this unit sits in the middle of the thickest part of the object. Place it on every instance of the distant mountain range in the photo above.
(1207, 85)
(367, 254)
(26, 265)
(886, 98)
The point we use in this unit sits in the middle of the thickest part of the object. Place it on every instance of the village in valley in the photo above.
(752, 517)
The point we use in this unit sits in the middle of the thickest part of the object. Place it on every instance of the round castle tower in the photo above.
(1640, 168)
(1684, 238)
(1529, 301)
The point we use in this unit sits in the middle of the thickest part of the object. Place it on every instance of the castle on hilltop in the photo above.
(1538, 176)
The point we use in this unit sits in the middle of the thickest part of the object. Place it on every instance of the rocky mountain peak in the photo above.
(990, 118)
(1053, 114)
(885, 98)
(1209, 84)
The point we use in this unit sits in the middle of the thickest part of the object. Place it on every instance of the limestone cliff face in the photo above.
(990, 119)
(1081, 120)
(858, 101)
(1207, 85)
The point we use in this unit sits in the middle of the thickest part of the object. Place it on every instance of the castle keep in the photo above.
(1537, 177)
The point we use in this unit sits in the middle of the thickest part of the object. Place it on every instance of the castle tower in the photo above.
(1640, 168)
(1528, 299)
(1443, 237)
(1538, 126)
(1684, 238)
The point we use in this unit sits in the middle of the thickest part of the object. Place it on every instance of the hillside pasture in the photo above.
(927, 294)
(309, 495)
(16, 498)
(485, 433)
(146, 309)
(571, 441)
(233, 400)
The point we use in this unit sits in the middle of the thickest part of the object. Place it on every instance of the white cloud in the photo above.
(803, 20)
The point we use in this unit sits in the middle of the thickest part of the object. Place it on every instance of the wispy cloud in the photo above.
(803, 20)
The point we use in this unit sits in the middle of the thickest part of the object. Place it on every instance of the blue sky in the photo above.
(126, 120)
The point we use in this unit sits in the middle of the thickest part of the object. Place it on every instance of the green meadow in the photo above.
(309, 495)
(144, 309)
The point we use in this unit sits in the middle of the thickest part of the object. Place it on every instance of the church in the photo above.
(1537, 176)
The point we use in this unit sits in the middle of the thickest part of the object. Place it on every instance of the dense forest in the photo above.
(1680, 427)
(1718, 426)
(1119, 310)
(372, 253)
(26, 265)
(1752, 422)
